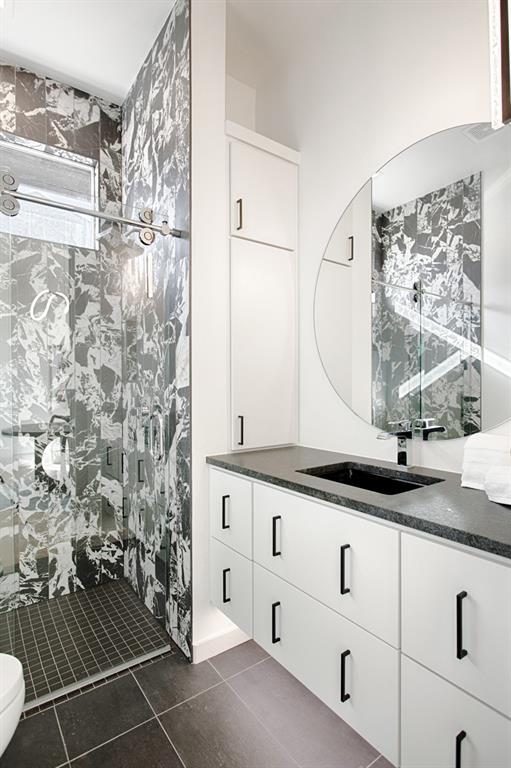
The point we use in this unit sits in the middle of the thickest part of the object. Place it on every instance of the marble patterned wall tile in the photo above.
(156, 156)
(7, 98)
(60, 114)
(30, 106)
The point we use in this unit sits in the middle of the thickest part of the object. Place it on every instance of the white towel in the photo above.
(497, 484)
(481, 453)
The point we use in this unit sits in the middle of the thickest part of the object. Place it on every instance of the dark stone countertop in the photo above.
(444, 509)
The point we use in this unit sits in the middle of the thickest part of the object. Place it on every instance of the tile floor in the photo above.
(239, 710)
(63, 641)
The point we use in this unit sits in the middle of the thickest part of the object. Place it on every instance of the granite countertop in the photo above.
(444, 509)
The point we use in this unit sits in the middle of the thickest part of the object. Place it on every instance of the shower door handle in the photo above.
(157, 415)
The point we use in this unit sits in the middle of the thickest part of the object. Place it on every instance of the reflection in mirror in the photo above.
(412, 305)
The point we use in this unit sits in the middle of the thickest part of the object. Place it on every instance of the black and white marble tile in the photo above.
(435, 240)
(156, 171)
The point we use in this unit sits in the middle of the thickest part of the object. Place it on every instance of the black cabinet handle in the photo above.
(344, 588)
(274, 637)
(275, 552)
(351, 241)
(108, 459)
(241, 420)
(140, 464)
(459, 738)
(239, 206)
(225, 599)
(122, 462)
(344, 696)
(460, 651)
(224, 510)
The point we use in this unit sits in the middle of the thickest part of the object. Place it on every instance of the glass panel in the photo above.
(451, 365)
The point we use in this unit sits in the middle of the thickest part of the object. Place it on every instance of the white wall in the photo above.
(212, 631)
(366, 80)
(240, 103)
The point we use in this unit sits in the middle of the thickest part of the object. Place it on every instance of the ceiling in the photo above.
(96, 45)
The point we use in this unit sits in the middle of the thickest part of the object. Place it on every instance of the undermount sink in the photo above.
(371, 478)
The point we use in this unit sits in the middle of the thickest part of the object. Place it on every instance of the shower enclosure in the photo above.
(94, 382)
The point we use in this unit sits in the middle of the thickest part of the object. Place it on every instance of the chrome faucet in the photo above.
(403, 432)
(407, 430)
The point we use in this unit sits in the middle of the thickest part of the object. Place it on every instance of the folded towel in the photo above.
(481, 453)
(497, 484)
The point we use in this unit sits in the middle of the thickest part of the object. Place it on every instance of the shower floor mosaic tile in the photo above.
(70, 639)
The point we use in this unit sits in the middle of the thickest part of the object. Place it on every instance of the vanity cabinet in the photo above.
(263, 196)
(230, 511)
(231, 584)
(351, 565)
(456, 618)
(443, 727)
(372, 618)
(353, 672)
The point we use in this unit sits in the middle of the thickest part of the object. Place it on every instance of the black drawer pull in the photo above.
(108, 459)
(275, 552)
(460, 651)
(274, 637)
(225, 599)
(344, 588)
(122, 462)
(459, 738)
(344, 696)
(239, 207)
(224, 510)
(241, 420)
(140, 464)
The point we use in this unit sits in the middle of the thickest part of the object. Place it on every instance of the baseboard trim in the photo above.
(215, 644)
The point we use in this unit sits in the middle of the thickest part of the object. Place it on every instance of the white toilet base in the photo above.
(9, 719)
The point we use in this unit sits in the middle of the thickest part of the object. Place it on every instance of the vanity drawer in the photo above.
(231, 584)
(230, 508)
(331, 656)
(436, 715)
(456, 618)
(351, 565)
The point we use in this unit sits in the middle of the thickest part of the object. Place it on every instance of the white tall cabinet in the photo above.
(263, 178)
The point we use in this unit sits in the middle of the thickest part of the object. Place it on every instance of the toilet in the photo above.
(12, 697)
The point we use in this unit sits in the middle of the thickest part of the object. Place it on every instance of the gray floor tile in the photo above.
(101, 714)
(307, 728)
(238, 659)
(216, 730)
(172, 680)
(37, 742)
(146, 746)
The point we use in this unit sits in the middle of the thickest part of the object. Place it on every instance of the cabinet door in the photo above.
(456, 618)
(350, 564)
(443, 727)
(230, 507)
(351, 671)
(263, 345)
(263, 196)
(231, 584)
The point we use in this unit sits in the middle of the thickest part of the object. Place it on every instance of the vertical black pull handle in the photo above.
(275, 552)
(241, 420)
(225, 599)
(122, 462)
(108, 459)
(140, 464)
(460, 651)
(239, 208)
(225, 525)
(344, 696)
(351, 241)
(459, 738)
(274, 637)
(344, 588)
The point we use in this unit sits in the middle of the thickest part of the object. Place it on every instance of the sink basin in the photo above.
(371, 478)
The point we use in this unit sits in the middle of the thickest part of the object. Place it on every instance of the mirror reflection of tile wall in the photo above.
(426, 320)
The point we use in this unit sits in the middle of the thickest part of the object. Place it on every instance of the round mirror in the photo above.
(413, 298)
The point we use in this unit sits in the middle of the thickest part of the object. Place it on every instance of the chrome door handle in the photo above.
(161, 448)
